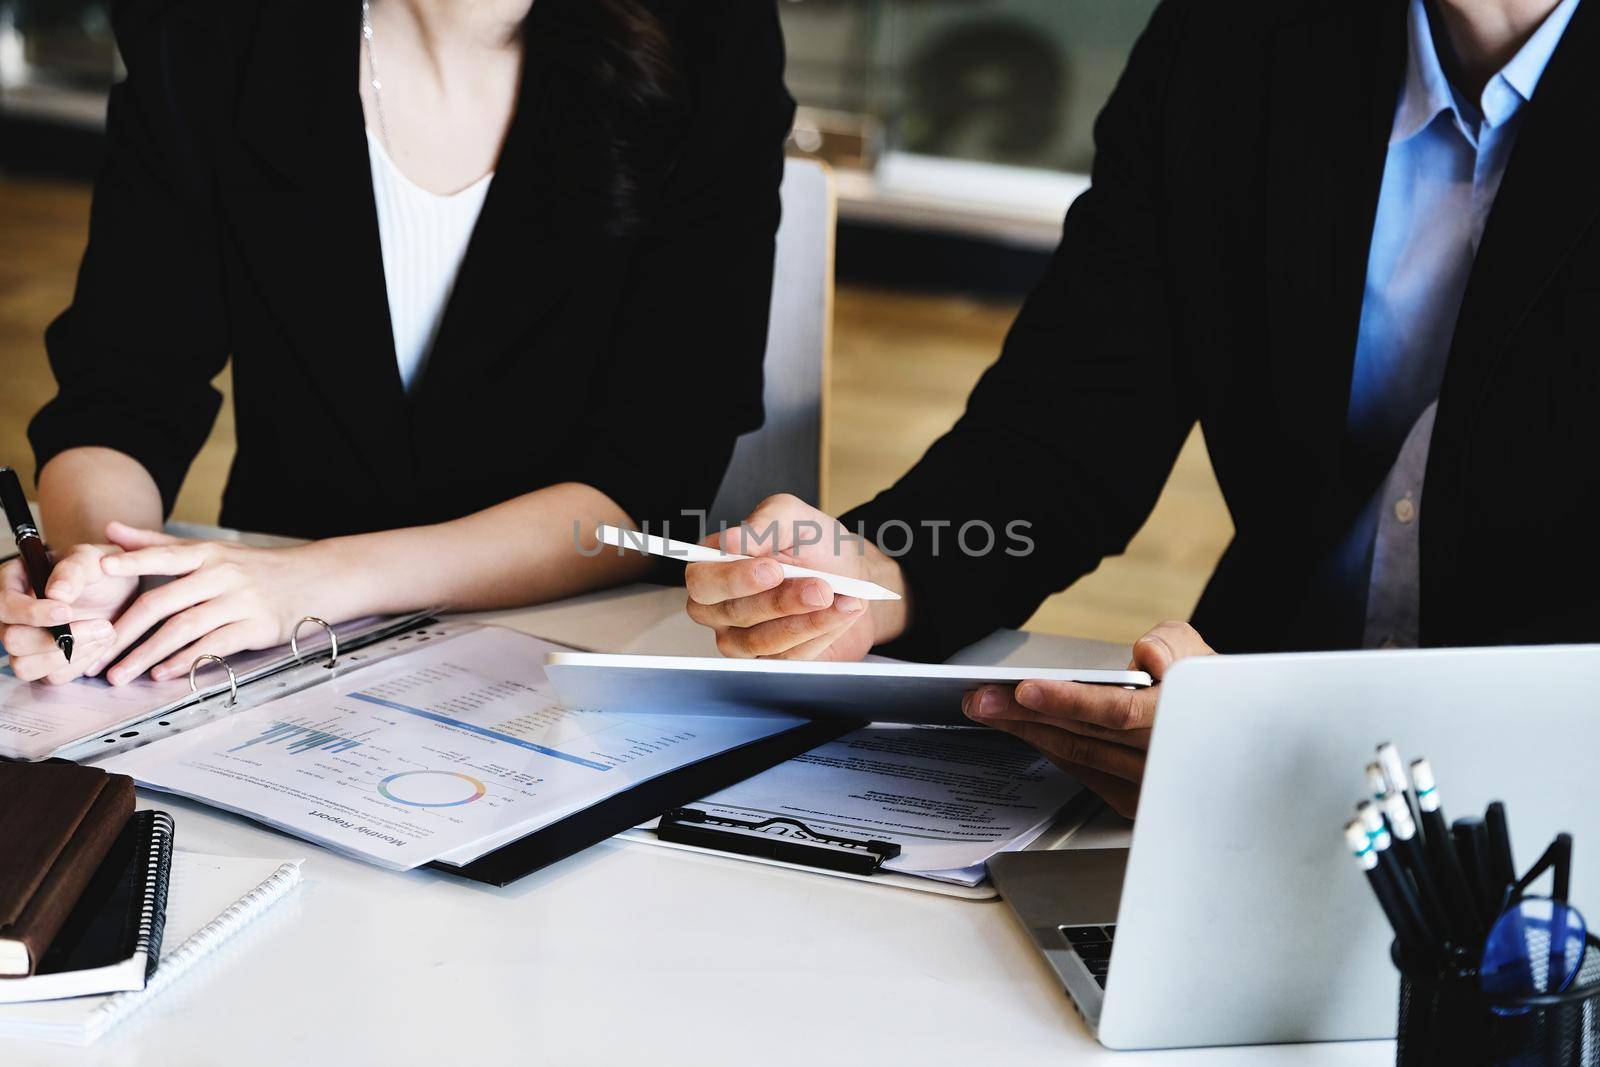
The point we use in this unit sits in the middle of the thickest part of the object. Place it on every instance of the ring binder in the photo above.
(233, 681)
(333, 640)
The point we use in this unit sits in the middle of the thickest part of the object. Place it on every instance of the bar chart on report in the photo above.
(300, 737)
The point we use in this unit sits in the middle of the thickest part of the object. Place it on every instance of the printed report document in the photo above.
(445, 753)
(949, 797)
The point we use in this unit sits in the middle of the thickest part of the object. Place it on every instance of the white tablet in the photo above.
(876, 691)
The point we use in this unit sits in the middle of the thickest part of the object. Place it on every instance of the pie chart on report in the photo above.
(431, 789)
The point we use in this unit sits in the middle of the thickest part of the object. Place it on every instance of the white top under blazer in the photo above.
(424, 238)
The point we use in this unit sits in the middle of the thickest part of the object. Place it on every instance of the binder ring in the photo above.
(333, 640)
(233, 682)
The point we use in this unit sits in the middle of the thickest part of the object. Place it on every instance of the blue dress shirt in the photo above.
(1445, 160)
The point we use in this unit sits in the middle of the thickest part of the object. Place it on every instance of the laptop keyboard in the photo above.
(1093, 946)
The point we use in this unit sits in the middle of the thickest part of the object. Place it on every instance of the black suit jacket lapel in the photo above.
(1549, 197)
(308, 230)
(1334, 84)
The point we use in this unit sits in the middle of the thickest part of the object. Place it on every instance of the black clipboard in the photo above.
(781, 837)
(645, 801)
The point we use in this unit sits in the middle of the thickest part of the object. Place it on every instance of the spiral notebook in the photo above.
(112, 938)
(210, 900)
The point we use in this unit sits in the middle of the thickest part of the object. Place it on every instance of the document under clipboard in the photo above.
(716, 841)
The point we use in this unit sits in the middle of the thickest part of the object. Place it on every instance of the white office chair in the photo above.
(788, 454)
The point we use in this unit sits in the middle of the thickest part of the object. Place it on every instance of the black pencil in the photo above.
(1408, 848)
(1405, 930)
(1394, 773)
(1448, 874)
(1430, 938)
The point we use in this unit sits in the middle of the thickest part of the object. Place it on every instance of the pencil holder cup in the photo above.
(1447, 1021)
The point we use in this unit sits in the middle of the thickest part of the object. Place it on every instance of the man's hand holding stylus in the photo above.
(757, 613)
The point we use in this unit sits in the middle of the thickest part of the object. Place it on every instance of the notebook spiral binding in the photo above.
(117, 1007)
(153, 915)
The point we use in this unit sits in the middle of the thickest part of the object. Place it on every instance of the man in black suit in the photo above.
(1352, 239)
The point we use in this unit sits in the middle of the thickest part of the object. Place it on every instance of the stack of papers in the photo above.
(443, 754)
(949, 797)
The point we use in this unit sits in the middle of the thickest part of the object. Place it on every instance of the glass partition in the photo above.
(57, 59)
(1015, 82)
(939, 111)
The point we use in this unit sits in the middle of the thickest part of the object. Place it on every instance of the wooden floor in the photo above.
(903, 365)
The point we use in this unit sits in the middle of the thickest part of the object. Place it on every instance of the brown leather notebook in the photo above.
(57, 822)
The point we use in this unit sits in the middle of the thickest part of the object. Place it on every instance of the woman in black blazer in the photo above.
(614, 294)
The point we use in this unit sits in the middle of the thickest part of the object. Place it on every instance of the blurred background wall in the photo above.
(959, 130)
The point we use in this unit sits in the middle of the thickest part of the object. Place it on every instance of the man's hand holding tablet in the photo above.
(1098, 733)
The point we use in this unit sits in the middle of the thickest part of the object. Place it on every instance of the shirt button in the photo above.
(1404, 510)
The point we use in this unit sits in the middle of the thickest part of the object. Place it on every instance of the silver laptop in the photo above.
(1238, 916)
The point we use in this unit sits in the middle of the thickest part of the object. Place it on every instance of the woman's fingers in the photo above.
(12, 577)
(181, 629)
(73, 573)
(27, 640)
(781, 635)
(153, 607)
(171, 559)
(131, 538)
(22, 609)
(793, 597)
(224, 641)
(34, 655)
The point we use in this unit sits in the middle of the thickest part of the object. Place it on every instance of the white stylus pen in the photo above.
(667, 548)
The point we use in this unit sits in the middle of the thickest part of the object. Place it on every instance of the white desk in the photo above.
(625, 953)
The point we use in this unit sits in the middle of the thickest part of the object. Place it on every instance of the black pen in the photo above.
(35, 560)
(1441, 847)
